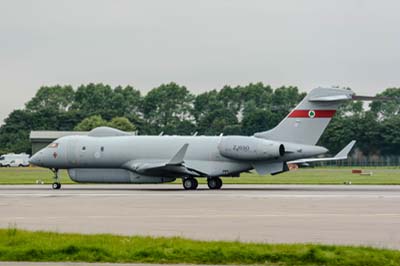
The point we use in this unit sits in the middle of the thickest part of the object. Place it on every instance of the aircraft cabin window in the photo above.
(102, 148)
(83, 148)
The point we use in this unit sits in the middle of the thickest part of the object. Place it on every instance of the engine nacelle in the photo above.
(250, 148)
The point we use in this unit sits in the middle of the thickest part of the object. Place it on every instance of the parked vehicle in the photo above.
(14, 160)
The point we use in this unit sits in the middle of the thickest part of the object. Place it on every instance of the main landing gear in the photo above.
(56, 184)
(214, 182)
(190, 183)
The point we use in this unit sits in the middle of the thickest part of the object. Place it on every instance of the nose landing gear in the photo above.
(56, 184)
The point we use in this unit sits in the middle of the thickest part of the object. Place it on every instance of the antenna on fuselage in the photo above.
(161, 133)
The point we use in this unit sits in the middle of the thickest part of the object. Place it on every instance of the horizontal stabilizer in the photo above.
(331, 98)
(370, 98)
(345, 151)
(342, 155)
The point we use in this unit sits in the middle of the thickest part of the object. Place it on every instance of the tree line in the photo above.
(174, 110)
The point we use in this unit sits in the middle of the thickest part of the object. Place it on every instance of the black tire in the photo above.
(196, 184)
(56, 185)
(190, 183)
(219, 183)
(214, 183)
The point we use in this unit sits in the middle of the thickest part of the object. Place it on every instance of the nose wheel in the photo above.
(214, 182)
(56, 184)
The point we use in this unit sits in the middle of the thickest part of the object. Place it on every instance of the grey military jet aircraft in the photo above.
(108, 155)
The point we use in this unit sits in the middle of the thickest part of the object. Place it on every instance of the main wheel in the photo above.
(190, 183)
(214, 182)
(56, 185)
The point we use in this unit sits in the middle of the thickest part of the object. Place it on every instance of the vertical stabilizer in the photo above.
(306, 123)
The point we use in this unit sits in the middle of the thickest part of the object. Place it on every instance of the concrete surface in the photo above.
(357, 215)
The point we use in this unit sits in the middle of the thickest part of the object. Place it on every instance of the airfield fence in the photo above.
(388, 161)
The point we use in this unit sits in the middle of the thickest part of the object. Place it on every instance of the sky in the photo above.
(200, 44)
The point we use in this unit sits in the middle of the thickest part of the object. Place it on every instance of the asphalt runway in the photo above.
(342, 214)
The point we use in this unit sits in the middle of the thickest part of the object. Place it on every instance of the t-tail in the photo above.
(306, 123)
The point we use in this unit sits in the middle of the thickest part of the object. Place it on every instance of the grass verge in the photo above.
(328, 175)
(20, 245)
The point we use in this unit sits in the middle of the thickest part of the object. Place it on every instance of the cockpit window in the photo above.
(53, 145)
(1, 158)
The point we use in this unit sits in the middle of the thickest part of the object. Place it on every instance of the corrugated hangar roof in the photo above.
(44, 134)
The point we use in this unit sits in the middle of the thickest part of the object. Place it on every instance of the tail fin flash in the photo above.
(306, 123)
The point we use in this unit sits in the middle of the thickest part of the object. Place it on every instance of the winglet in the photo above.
(345, 151)
(178, 157)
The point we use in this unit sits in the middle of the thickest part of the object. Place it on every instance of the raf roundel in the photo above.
(311, 113)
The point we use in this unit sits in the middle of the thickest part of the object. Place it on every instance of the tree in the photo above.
(171, 108)
(94, 99)
(165, 105)
(122, 123)
(14, 134)
(230, 98)
(125, 102)
(205, 103)
(56, 98)
(390, 136)
(258, 93)
(214, 122)
(232, 130)
(91, 122)
(257, 120)
(387, 108)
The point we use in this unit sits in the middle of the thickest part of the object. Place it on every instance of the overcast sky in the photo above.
(200, 44)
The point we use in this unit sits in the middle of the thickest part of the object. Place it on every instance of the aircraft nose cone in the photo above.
(35, 159)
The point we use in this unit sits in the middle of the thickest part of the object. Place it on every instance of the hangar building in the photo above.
(41, 139)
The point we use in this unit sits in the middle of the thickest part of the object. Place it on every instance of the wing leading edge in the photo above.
(175, 166)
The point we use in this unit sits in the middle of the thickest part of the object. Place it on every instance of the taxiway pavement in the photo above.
(331, 214)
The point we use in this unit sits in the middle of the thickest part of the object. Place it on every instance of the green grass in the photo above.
(336, 175)
(328, 175)
(29, 175)
(19, 245)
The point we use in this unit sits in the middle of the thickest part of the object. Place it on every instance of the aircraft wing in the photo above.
(175, 166)
(342, 155)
